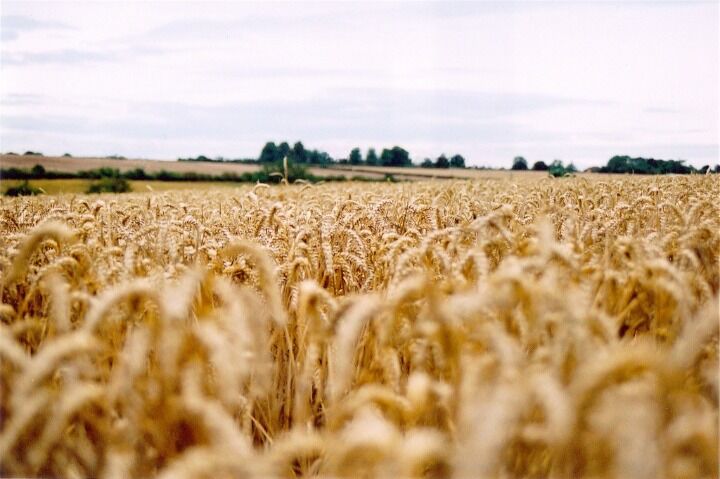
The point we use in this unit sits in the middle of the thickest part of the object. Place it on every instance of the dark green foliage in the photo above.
(298, 154)
(110, 184)
(427, 163)
(67, 155)
(269, 153)
(23, 189)
(355, 157)
(371, 159)
(38, 171)
(396, 156)
(558, 170)
(646, 166)
(540, 166)
(457, 161)
(442, 162)
(519, 164)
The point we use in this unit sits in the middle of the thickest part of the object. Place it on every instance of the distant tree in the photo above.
(457, 161)
(442, 162)
(519, 163)
(283, 150)
(313, 157)
(717, 169)
(571, 168)
(355, 157)
(67, 155)
(32, 153)
(268, 153)
(557, 169)
(427, 163)
(385, 157)
(540, 166)
(38, 171)
(298, 153)
(371, 158)
(396, 156)
(704, 169)
(324, 159)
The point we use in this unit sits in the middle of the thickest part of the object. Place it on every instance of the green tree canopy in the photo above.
(298, 153)
(457, 161)
(371, 158)
(442, 162)
(396, 156)
(519, 163)
(269, 153)
(540, 166)
(355, 157)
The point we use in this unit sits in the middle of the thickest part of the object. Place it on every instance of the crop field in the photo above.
(73, 165)
(489, 328)
(76, 185)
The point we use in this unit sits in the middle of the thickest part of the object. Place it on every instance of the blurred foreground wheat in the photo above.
(536, 328)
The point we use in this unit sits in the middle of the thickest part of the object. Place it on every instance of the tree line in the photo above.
(297, 153)
(618, 164)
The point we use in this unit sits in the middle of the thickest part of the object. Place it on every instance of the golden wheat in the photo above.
(493, 328)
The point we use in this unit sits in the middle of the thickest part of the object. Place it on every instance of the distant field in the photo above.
(54, 163)
(414, 173)
(64, 164)
(55, 187)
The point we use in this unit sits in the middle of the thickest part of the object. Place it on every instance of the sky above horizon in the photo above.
(576, 81)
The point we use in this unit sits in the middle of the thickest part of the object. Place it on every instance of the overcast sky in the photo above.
(578, 81)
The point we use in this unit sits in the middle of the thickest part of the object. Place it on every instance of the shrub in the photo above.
(110, 185)
(23, 189)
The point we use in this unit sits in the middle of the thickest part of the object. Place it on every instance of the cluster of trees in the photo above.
(297, 153)
(272, 153)
(456, 161)
(395, 156)
(27, 153)
(557, 168)
(618, 164)
(651, 166)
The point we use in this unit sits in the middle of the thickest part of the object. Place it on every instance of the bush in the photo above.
(23, 189)
(110, 184)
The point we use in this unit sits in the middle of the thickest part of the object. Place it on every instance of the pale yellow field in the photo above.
(75, 185)
(72, 164)
(64, 164)
(494, 328)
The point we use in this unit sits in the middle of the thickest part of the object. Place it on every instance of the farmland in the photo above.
(72, 165)
(499, 326)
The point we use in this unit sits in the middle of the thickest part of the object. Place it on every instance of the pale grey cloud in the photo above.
(74, 56)
(12, 26)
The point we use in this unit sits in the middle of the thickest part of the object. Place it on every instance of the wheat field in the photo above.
(524, 327)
